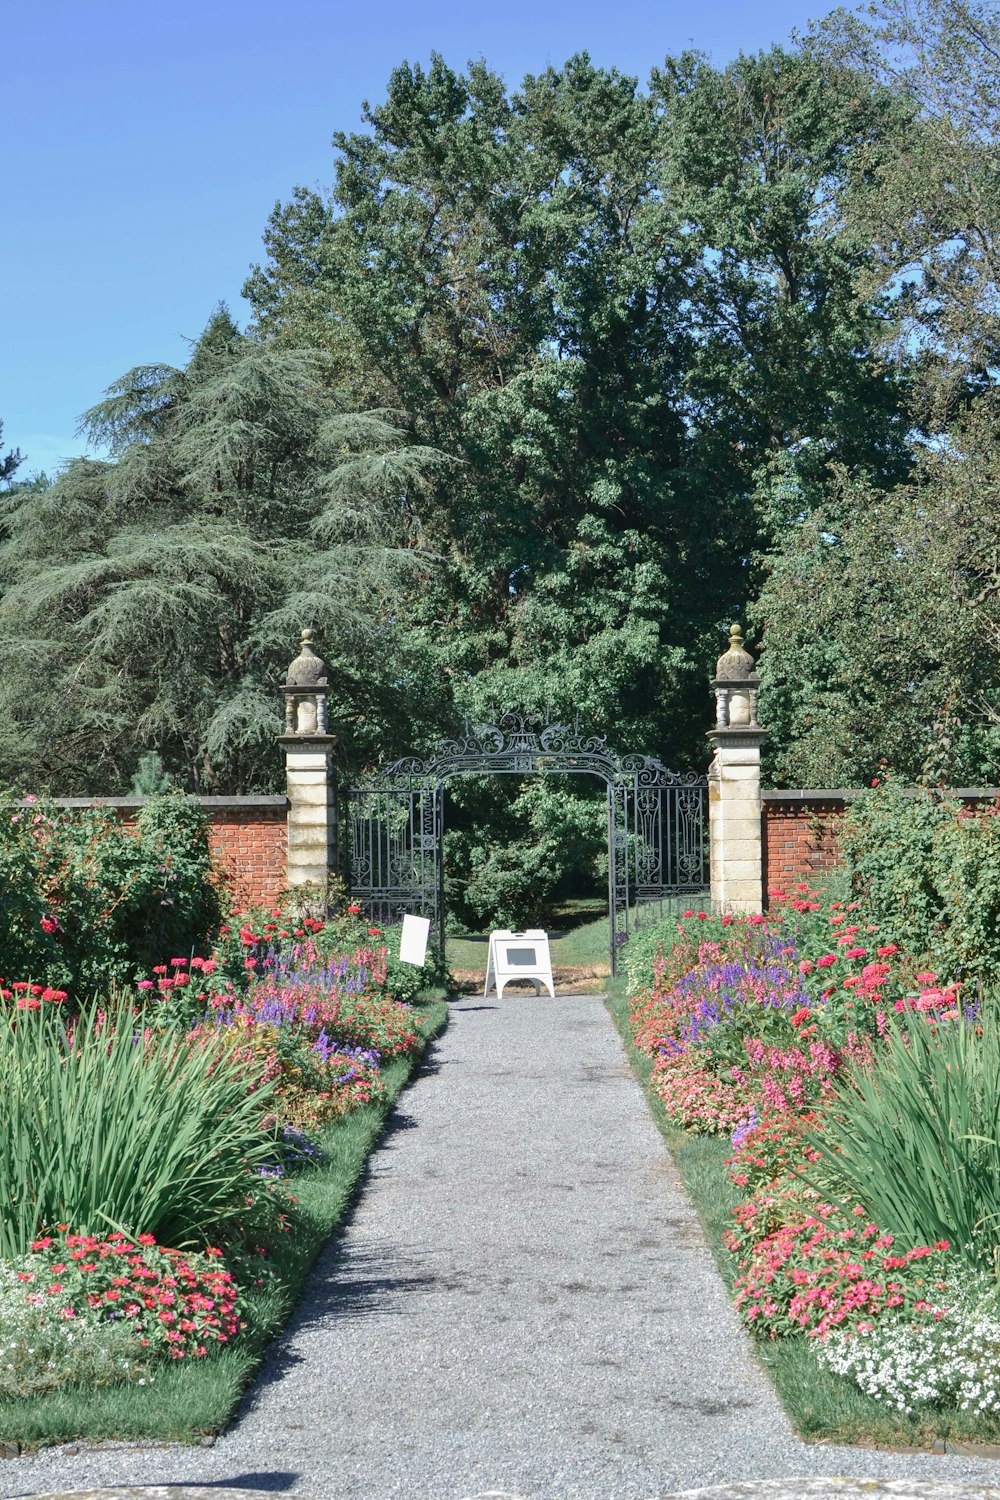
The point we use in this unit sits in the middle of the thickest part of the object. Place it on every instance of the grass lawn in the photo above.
(585, 945)
(578, 939)
(188, 1401)
(821, 1405)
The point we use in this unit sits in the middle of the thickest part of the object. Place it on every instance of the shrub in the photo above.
(101, 1126)
(88, 904)
(928, 871)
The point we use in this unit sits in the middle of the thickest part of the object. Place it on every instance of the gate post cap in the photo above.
(308, 670)
(736, 664)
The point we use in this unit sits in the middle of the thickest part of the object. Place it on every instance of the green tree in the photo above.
(880, 611)
(932, 211)
(764, 162)
(621, 312)
(643, 325)
(9, 462)
(153, 600)
(883, 626)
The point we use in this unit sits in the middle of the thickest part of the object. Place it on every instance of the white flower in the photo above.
(948, 1362)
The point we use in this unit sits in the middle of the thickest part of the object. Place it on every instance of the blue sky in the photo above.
(145, 145)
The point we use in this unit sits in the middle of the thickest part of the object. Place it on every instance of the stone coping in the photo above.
(125, 803)
(848, 793)
(834, 1488)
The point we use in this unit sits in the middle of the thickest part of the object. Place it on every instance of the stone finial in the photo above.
(736, 664)
(305, 689)
(735, 686)
(308, 670)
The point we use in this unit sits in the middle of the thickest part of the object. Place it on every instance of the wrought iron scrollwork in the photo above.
(656, 818)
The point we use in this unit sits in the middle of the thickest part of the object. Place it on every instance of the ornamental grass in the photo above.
(915, 1139)
(106, 1127)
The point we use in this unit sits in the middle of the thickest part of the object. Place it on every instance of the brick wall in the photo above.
(249, 846)
(799, 832)
(246, 836)
(799, 835)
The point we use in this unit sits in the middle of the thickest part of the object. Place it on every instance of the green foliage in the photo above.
(881, 600)
(915, 1139)
(932, 212)
(9, 462)
(644, 947)
(99, 1130)
(156, 599)
(882, 625)
(405, 982)
(88, 904)
(151, 779)
(515, 853)
(601, 300)
(930, 875)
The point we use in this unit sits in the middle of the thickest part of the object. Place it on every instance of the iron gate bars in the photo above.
(656, 820)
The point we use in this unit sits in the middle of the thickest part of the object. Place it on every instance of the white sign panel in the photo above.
(413, 940)
(519, 955)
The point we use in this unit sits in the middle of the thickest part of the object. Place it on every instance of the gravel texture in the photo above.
(522, 1305)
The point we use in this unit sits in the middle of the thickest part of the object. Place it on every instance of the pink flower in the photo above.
(50, 924)
(826, 960)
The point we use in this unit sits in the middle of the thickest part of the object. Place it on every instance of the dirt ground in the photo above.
(568, 979)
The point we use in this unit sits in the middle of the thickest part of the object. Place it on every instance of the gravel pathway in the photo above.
(523, 1303)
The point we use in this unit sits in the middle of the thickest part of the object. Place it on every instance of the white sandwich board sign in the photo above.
(519, 955)
(413, 940)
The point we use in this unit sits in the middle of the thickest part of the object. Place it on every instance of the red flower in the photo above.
(50, 924)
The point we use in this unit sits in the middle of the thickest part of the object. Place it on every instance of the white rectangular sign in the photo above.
(519, 955)
(413, 940)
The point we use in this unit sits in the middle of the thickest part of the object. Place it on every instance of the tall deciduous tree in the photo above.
(622, 312)
(880, 613)
(932, 212)
(883, 622)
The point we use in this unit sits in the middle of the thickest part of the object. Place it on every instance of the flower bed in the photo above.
(858, 1094)
(277, 1032)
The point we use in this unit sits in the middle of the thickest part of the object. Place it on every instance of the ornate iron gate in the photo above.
(656, 820)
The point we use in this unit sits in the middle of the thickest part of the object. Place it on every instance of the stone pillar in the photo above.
(734, 814)
(309, 770)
